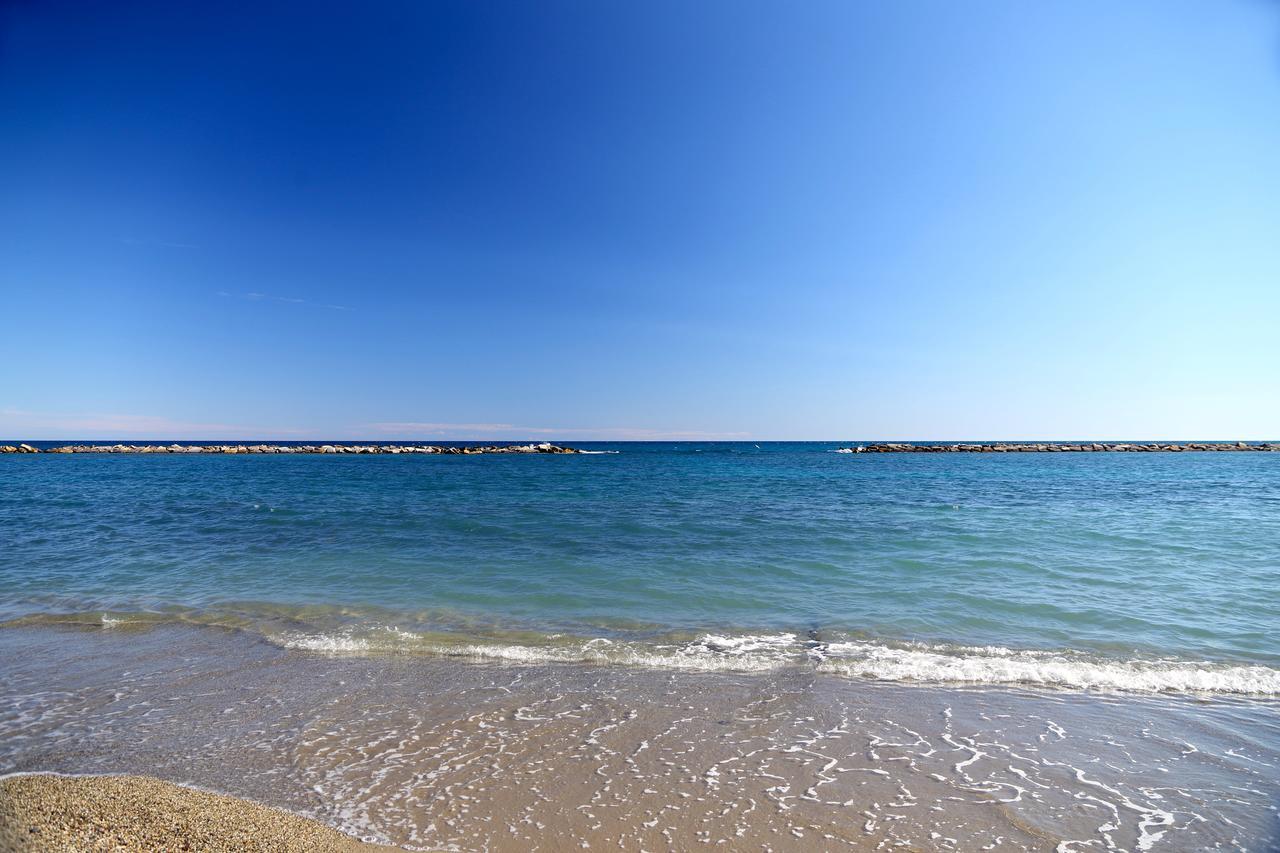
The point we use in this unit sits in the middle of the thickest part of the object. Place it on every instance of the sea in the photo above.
(663, 645)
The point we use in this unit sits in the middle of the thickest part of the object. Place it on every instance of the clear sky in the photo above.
(573, 220)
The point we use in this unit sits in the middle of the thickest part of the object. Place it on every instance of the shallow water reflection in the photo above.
(446, 754)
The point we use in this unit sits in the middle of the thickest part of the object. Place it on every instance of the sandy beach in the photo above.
(437, 753)
(49, 812)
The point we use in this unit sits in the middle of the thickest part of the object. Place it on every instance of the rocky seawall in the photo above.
(450, 450)
(1062, 447)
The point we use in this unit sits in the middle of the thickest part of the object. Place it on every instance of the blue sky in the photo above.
(574, 220)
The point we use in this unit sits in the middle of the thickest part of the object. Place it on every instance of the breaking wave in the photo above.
(828, 653)
(914, 662)
(1001, 666)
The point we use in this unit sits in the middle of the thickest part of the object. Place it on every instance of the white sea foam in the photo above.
(744, 644)
(325, 643)
(751, 653)
(998, 665)
(917, 662)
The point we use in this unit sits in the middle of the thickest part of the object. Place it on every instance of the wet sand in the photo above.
(433, 753)
(44, 812)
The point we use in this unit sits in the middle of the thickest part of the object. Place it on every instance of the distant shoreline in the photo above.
(1062, 447)
(544, 447)
(472, 448)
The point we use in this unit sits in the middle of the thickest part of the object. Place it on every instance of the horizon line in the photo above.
(545, 439)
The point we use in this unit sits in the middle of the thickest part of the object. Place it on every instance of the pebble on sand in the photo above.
(47, 812)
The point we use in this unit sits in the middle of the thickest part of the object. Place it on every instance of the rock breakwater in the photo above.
(450, 450)
(1062, 447)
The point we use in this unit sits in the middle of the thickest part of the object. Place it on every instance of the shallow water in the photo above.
(444, 754)
(1158, 571)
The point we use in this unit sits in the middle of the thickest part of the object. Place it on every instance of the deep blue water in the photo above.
(683, 553)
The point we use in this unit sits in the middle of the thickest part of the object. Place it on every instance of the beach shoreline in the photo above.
(431, 753)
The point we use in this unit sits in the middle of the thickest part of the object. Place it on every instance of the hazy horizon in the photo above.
(560, 438)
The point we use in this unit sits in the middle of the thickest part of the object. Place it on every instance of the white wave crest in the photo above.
(752, 653)
(744, 644)
(997, 665)
(326, 643)
(916, 662)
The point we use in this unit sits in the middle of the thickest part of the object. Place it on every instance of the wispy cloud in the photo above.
(166, 244)
(285, 300)
(409, 429)
(19, 424)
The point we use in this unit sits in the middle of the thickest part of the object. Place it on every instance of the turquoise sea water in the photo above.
(1158, 571)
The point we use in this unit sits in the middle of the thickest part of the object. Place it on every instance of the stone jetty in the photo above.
(1063, 447)
(444, 449)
